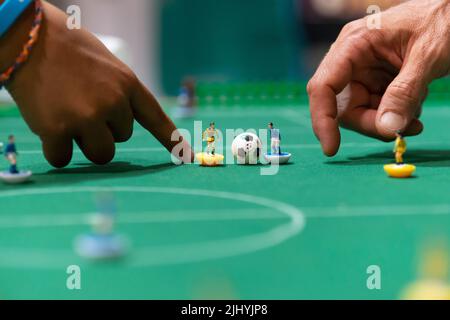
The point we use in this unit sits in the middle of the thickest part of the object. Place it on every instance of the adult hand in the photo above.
(374, 81)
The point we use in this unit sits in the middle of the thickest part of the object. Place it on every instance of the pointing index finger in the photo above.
(332, 76)
(148, 112)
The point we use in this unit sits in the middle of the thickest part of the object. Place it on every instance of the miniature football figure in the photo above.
(11, 155)
(399, 148)
(210, 135)
(432, 282)
(102, 242)
(210, 158)
(399, 169)
(186, 100)
(276, 156)
(275, 139)
(13, 175)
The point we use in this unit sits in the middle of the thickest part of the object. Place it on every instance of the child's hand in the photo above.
(375, 81)
(73, 88)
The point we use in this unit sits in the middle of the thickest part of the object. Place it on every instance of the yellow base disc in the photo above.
(427, 290)
(209, 160)
(399, 170)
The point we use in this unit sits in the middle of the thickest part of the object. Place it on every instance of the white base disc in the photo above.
(15, 178)
(282, 158)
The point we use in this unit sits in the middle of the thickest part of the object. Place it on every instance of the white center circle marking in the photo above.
(166, 254)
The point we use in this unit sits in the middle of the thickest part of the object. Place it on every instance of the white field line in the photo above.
(61, 220)
(168, 254)
(286, 146)
(69, 220)
(376, 211)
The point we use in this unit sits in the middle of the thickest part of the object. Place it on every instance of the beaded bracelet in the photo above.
(6, 76)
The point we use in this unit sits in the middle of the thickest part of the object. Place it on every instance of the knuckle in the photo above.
(114, 96)
(404, 90)
(357, 35)
(360, 41)
(311, 86)
(117, 101)
(353, 27)
(54, 129)
(347, 28)
(88, 115)
(127, 76)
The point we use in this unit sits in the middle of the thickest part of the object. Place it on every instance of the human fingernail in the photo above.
(392, 121)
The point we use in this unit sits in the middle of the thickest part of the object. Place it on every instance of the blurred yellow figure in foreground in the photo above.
(433, 283)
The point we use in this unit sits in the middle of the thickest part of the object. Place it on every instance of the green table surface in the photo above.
(310, 231)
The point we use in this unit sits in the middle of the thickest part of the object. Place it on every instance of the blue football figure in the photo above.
(11, 155)
(102, 243)
(13, 175)
(186, 100)
(276, 156)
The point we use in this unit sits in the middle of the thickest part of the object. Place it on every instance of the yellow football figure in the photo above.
(210, 135)
(399, 148)
(433, 281)
(399, 169)
(210, 158)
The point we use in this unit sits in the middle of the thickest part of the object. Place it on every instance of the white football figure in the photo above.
(246, 148)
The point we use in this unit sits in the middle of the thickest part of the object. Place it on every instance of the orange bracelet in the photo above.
(6, 76)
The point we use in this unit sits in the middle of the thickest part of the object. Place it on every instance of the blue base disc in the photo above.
(93, 246)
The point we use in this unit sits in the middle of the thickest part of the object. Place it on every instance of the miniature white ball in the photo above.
(246, 148)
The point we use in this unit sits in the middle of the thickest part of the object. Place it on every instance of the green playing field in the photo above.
(310, 231)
